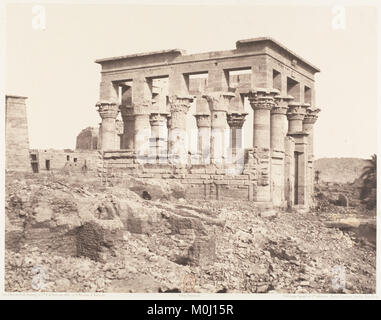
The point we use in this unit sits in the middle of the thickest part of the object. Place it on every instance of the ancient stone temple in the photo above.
(169, 101)
(16, 135)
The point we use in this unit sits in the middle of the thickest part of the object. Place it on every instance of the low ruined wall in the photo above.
(65, 160)
(237, 181)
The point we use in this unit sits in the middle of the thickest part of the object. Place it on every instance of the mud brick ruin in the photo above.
(154, 92)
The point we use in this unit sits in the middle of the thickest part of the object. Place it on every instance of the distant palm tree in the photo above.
(369, 177)
(369, 174)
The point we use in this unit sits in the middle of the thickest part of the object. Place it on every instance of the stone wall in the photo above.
(16, 134)
(64, 160)
(202, 181)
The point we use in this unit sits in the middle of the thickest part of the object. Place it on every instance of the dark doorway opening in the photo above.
(35, 167)
(47, 164)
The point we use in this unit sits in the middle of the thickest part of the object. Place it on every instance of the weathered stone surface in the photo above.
(16, 135)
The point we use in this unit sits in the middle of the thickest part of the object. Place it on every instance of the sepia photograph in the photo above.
(190, 148)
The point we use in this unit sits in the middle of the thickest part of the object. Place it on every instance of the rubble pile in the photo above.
(68, 235)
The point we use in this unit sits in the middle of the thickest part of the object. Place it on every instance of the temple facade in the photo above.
(184, 118)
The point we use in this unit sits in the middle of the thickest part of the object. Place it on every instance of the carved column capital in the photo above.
(311, 116)
(236, 120)
(262, 98)
(158, 119)
(296, 111)
(218, 100)
(179, 106)
(203, 120)
(180, 103)
(107, 109)
(281, 104)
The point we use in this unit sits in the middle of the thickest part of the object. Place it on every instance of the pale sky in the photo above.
(55, 67)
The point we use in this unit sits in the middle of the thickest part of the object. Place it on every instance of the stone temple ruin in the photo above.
(154, 93)
(235, 124)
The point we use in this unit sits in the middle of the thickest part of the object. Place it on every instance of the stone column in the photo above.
(218, 105)
(141, 102)
(235, 157)
(289, 171)
(308, 127)
(142, 132)
(295, 115)
(278, 123)
(278, 131)
(177, 135)
(262, 101)
(128, 127)
(203, 137)
(108, 112)
(236, 121)
(159, 135)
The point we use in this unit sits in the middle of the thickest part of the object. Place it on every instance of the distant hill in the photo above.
(340, 170)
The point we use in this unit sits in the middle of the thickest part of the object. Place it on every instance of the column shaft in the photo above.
(262, 101)
(236, 121)
(203, 137)
(108, 112)
(278, 133)
(308, 127)
(142, 132)
(177, 135)
(218, 105)
(159, 136)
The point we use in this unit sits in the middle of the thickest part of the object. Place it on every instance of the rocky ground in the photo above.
(71, 234)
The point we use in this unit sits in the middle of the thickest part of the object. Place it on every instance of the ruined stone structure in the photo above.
(16, 134)
(155, 91)
(87, 139)
(52, 160)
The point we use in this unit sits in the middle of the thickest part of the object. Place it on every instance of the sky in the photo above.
(55, 67)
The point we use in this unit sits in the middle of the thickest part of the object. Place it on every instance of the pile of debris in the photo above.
(64, 234)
